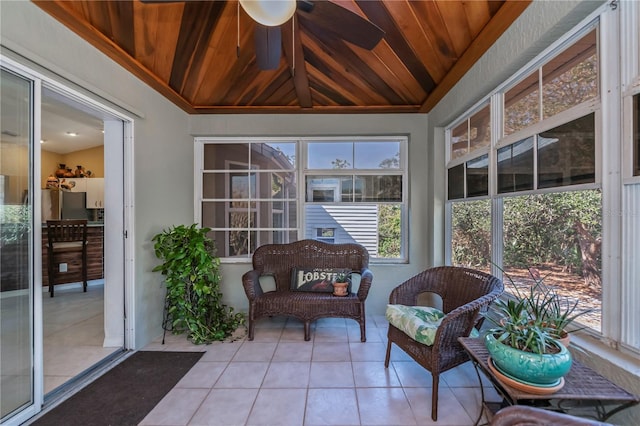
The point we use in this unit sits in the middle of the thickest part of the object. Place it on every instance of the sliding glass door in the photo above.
(16, 245)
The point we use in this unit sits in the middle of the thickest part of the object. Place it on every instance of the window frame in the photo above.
(498, 141)
(301, 172)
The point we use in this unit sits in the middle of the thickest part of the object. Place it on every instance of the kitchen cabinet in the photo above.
(74, 184)
(95, 193)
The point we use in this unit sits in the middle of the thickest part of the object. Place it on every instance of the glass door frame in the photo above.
(37, 377)
(38, 79)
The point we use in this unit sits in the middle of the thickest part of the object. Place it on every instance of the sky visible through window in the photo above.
(368, 155)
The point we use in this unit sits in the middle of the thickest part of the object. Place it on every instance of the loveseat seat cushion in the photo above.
(307, 305)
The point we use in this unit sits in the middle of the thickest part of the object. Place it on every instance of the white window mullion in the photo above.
(630, 74)
(497, 239)
(198, 196)
(611, 154)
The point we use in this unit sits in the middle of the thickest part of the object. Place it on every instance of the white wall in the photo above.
(163, 153)
(414, 125)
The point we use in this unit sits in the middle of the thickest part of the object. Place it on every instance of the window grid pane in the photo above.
(480, 129)
(567, 155)
(515, 167)
(455, 182)
(522, 105)
(247, 188)
(460, 140)
(571, 78)
(471, 234)
(478, 176)
(558, 235)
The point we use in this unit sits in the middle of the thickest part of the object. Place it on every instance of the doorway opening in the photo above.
(81, 329)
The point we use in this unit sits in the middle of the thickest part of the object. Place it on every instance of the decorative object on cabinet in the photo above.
(52, 182)
(65, 184)
(79, 173)
(62, 169)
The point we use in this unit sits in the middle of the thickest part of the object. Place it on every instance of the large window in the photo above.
(532, 196)
(352, 190)
(248, 194)
(356, 187)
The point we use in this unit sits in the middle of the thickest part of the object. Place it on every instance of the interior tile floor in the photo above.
(334, 379)
(73, 332)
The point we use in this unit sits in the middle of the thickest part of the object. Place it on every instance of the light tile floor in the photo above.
(279, 379)
(73, 331)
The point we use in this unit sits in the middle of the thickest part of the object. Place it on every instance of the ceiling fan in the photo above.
(271, 14)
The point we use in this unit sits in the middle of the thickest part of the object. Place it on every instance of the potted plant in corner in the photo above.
(523, 342)
(193, 302)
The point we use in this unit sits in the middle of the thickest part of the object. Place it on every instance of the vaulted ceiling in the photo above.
(201, 54)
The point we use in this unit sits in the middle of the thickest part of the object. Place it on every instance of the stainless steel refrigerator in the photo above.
(58, 205)
(74, 205)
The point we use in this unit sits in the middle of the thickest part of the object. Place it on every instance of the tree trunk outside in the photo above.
(589, 248)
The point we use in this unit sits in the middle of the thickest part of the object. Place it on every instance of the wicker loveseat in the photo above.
(278, 260)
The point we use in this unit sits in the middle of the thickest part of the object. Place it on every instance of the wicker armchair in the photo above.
(464, 293)
(278, 260)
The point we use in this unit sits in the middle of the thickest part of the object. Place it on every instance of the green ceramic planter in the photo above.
(526, 367)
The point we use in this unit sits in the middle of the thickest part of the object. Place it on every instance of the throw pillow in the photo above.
(315, 279)
(267, 283)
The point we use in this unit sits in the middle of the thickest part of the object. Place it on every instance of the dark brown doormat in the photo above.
(125, 394)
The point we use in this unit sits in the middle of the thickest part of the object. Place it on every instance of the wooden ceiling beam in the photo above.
(344, 69)
(377, 12)
(329, 109)
(294, 55)
(198, 21)
(502, 20)
(121, 19)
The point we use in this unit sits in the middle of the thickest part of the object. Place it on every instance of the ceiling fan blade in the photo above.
(268, 41)
(344, 23)
(305, 5)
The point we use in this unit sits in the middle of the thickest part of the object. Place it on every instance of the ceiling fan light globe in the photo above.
(269, 12)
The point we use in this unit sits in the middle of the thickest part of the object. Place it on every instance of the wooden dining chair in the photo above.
(66, 236)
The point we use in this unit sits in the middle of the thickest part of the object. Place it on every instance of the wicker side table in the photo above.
(583, 386)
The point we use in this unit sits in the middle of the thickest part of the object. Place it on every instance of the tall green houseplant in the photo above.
(192, 275)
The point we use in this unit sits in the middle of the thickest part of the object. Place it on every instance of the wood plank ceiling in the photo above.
(193, 53)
